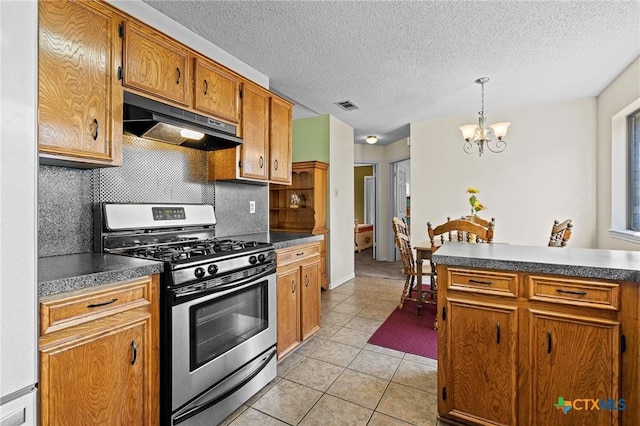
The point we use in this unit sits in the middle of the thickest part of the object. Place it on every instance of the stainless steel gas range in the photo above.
(218, 307)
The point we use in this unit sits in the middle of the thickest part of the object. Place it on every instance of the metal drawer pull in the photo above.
(300, 254)
(579, 293)
(498, 333)
(97, 305)
(548, 342)
(481, 282)
(179, 75)
(135, 351)
(96, 128)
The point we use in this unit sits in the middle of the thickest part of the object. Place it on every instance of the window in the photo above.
(633, 125)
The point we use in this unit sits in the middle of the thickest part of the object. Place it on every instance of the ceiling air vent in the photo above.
(347, 105)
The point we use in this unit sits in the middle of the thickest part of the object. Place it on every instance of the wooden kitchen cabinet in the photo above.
(309, 213)
(510, 344)
(216, 91)
(79, 95)
(265, 154)
(99, 355)
(155, 65)
(298, 290)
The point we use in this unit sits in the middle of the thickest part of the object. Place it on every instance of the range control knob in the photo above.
(261, 258)
(212, 269)
(199, 272)
(253, 260)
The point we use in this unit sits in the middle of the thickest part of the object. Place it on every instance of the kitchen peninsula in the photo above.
(528, 334)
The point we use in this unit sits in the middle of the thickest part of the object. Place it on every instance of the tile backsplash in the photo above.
(151, 172)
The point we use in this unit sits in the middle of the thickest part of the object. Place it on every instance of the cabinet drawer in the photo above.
(593, 294)
(297, 253)
(487, 282)
(66, 311)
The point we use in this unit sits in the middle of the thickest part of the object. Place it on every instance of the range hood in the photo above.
(154, 120)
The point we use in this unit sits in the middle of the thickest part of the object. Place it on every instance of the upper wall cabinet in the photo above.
(217, 91)
(265, 154)
(80, 97)
(156, 65)
(280, 141)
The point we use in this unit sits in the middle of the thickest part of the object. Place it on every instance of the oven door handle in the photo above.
(222, 289)
(224, 388)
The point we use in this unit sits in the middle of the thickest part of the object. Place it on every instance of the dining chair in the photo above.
(560, 233)
(403, 243)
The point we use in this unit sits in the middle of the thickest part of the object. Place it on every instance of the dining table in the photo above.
(424, 250)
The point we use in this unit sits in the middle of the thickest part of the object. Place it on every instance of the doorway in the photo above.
(366, 200)
(401, 188)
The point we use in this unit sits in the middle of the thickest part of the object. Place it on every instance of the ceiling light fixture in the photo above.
(372, 139)
(478, 136)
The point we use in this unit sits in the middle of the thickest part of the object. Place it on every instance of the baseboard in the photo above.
(337, 283)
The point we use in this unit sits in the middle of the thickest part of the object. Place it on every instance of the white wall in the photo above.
(383, 156)
(547, 172)
(619, 94)
(341, 212)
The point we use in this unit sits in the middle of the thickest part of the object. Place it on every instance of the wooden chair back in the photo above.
(480, 221)
(402, 239)
(560, 233)
(459, 230)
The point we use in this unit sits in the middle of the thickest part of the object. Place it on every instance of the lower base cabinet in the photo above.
(99, 356)
(298, 289)
(518, 349)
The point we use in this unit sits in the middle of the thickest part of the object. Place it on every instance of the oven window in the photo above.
(223, 323)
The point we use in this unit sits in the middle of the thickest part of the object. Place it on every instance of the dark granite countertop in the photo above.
(588, 263)
(59, 274)
(280, 240)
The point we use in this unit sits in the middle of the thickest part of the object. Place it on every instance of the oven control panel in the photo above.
(168, 213)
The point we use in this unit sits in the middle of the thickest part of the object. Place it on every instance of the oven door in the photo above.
(215, 335)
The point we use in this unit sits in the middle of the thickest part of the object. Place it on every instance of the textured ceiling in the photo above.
(404, 61)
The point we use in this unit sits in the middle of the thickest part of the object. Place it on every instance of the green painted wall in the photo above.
(310, 139)
(358, 190)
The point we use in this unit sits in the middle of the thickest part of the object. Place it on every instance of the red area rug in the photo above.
(404, 331)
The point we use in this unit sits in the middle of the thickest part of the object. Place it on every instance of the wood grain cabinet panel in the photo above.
(298, 305)
(254, 152)
(101, 368)
(156, 65)
(280, 141)
(79, 95)
(217, 91)
(574, 358)
(481, 384)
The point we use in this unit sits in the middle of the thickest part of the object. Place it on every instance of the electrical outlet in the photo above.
(252, 206)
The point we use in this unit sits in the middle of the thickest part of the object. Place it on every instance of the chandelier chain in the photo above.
(482, 95)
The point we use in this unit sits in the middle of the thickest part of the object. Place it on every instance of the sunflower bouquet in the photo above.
(476, 205)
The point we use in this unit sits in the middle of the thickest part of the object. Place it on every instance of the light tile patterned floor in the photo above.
(337, 378)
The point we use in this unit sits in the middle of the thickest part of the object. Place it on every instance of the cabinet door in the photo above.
(280, 141)
(288, 310)
(573, 359)
(155, 64)
(98, 379)
(255, 132)
(217, 91)
(80, 98)
(481, 382)
(309, 299)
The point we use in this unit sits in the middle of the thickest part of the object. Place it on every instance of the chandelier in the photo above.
(477, 136)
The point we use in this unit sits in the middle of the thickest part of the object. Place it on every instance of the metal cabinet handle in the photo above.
(97, 305)
(206, 87)
(481, 282)
(306, 280)
(135, 351)
(261, 161)
(275, 164)
(548, 342)
(578, 293)
(498, 333)
(293, 286)
(96, 128)
(179, 75)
